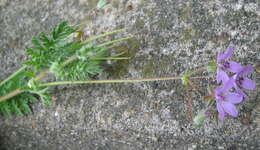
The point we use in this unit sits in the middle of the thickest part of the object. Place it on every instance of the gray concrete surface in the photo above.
(171, 37)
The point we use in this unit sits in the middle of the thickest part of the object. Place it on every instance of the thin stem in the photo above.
(37, 78)
(119, 54)
(10, 95)
(109, 58)
(46, 72)
(111, 81)
(13, 75)
(69, 60)
(195, 87)
(198, 70)
(200, 77)
(112, 42)
(42, 75)
(102, 35)
(19, 91)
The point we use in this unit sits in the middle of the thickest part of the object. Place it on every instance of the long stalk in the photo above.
(112, 42)
(11, 94)
(115, 81)
(102, 35)
(13, 75)
(109, 58)
(18, 91)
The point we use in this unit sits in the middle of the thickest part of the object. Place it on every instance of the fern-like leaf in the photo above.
(49, 48)
(19, 104)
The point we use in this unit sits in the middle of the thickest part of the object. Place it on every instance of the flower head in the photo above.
(224, 63)
(226, 100)
(242, 81)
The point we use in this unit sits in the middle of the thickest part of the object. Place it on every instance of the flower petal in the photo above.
(229, 52)
(246, 70)
(221, 76)
(221, 112)
(230, 108)
(228, 85)
(234, 67)
(221, 56)
(234, 98)
(239, 91)
(248, 84)
(226, 55)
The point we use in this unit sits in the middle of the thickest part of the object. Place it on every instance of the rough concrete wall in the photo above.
(171, 37)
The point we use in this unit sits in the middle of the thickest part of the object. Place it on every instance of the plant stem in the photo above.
(69, 60)
(113, 81)
(112, 42)
(41, 75)
(119, 54)
(198, 70)
(200, 77)
(108, 81)
(102, 35)
(109, 58)
(13, 75)
(10, 95)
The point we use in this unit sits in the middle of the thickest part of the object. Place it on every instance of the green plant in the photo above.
(59, 54)
(74, 62)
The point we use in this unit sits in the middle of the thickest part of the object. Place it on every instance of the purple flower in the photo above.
(225, 64)
(242, 81)
(226, 100)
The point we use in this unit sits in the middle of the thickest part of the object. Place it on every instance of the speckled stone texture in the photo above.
(170, 38)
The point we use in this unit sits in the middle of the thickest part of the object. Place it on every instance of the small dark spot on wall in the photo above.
(129, 7)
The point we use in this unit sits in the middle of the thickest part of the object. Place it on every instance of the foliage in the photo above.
(59, 53)
(101, 3)
(56, 47)
(20, 103)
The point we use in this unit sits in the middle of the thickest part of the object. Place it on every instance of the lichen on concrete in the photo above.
(170, 38)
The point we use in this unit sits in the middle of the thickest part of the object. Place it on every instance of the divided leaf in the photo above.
(19, 104)
(49, 48)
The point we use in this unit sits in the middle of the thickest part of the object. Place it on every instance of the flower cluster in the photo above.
(232, 77)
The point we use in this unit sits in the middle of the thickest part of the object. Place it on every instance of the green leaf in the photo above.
(212, 66)
(185, 80)
(101, 3)
(49, 48)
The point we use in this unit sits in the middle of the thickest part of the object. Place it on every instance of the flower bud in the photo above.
(185, 80)
(200, 118)
(212, 67)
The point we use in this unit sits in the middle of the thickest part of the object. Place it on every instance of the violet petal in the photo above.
(246, 70)
(230, 108)
(221, 112)
(229, 52)
(234, 67)
(239, 91)
(227, 85)
(248, 84)
(234, 98)
(221, 56)
(221, 76)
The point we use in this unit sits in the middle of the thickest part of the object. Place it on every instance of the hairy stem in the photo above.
(42, 75)
(102, 35)
(18, 91)
(13, 75)
(109, 58)
(113, 81)
(108, 81)
(112, 42)
(200, 77)
(198, 70)
(10, 95)
(69, 60)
